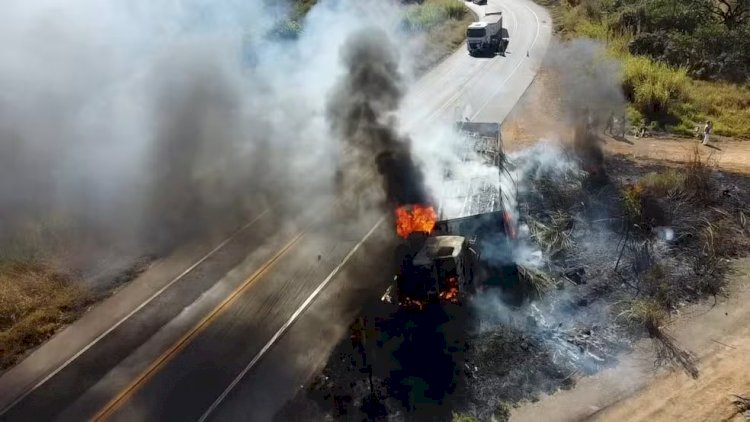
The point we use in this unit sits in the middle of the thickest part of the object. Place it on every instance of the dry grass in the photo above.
(444, 33)
(644, 312)
(653, 88)
(742, 404)
(539, 281)
(556, 235)
(658, 91)
(719, 238)
(698, 181)
(669, 183)
(431, 13)
(727, 105)
(35, 301)
(648, 313)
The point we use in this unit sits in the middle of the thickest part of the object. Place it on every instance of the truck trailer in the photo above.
(486, 36)
(447, 264)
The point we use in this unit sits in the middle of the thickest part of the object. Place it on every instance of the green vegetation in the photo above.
(442, 22)
(502, 413)
(431, 13)
(685, 62)
(668, 183)
(463, 418)
(443, 38)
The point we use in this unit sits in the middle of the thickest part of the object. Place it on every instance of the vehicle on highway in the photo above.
(486, 36)
(479, 2)
(445, 262)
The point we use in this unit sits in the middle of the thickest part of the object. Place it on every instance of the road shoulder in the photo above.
(717, 332)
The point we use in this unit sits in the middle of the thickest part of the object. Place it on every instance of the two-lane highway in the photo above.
(236, 336)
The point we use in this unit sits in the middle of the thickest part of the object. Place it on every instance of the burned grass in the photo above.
(508, 365)
(395, 364)
(610, 277)
(641, 241)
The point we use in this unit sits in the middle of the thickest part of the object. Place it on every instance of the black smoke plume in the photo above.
(361, 112)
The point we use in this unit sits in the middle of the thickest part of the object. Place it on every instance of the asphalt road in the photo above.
(236, 336)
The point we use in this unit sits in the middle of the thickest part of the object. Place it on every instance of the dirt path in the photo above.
(672, 397)
(724, 154)
(727, 155)
(539, 115)
(724, 346)
(718, 333)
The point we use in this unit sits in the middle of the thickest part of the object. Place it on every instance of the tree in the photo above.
(731, 13)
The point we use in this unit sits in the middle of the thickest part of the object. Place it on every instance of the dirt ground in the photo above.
(528, 124)
(671, 397)
(716, 331)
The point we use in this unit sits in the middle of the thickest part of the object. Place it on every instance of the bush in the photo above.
(502, 413)
(665, 43)
(288, 30)
(463, 418)
(632, 205)
(727, 105)
(698, 181)
(653, 87)
(667, 183)
(644, 312)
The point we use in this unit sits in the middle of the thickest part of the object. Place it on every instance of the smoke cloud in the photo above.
(555, 175)
(589, 78)
(362, 112)
(129, 127)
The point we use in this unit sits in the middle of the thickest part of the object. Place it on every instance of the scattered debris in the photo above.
(742, 403)
(604, 282)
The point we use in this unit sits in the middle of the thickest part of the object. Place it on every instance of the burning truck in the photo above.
(440, 259)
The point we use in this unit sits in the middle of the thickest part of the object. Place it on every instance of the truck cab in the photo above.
(485, 36)
(441, 272)
(462, 252)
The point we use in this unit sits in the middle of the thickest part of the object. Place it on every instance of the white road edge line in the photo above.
(452, 100)
(288, 324)
(125, 318)
(322, 285)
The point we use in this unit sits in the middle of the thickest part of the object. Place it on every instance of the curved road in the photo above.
(232, 335)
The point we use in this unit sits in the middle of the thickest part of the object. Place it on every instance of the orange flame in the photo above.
(450, 293)
(409, 303)
(510, 225)
(415, 218)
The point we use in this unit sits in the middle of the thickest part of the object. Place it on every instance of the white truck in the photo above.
(486, 36)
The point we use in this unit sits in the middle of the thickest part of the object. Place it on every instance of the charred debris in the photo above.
(573, 258)
(607, 250)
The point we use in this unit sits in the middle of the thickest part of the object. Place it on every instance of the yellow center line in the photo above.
(165, 357)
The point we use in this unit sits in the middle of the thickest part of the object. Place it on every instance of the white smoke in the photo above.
(141, 121)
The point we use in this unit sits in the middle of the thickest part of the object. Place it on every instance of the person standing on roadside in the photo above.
(707, 132)
(610, 127)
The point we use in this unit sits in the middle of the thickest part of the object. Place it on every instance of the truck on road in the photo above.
(486, 36)
(450, 262)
